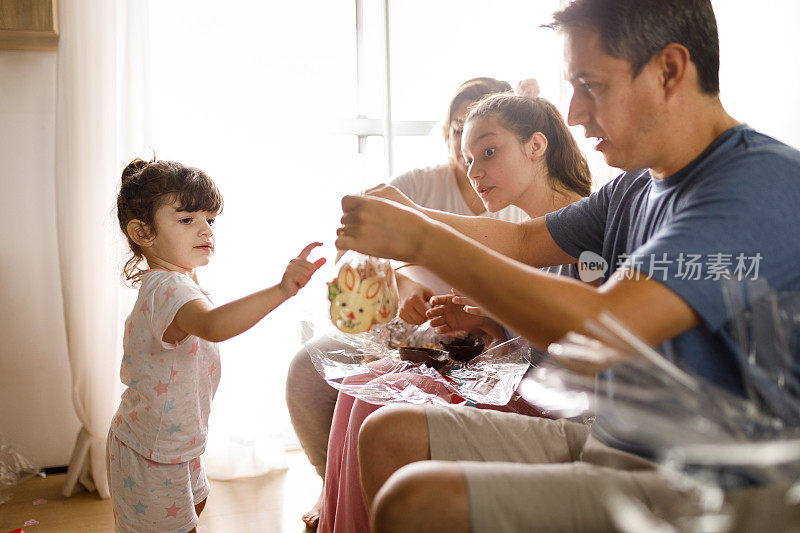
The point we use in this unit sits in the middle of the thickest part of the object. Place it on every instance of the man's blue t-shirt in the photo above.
(733, 212)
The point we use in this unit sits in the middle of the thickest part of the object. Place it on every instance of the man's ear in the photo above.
(140, 233)
(675, 64)
(537, 146)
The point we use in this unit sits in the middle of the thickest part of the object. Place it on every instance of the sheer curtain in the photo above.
(245, 91)
(100, 119)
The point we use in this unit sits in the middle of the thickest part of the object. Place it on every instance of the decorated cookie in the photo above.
(364, 293)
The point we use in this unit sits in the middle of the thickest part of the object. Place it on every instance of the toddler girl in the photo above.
(171, 361)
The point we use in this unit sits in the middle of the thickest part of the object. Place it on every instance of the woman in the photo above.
(518, 151)
(445, 187)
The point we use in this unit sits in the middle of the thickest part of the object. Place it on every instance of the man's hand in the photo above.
(299, 271)
(378, 227)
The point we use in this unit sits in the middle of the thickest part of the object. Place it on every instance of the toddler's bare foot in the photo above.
(311, 518)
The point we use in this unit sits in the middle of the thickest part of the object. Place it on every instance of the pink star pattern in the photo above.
(130, 327)
(152, 464)
(118, 420)
(172, 511)
(195, 347)
(211, 369)
(145, 308)
(193, 441)
(169, 293)
(147, 408)
(195, 463)
(176, 460)
(161, 388)
(111, 457)
(172, 374)
(134, 416)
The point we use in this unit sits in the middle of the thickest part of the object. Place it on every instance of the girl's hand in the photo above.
(450, 318)
(300, 271)
(413, 300)
(389, 192)
(528, 88)
(469, 306)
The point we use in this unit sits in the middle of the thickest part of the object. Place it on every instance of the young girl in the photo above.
(171, 362)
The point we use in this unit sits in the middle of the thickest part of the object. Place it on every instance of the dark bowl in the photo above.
(432, 357)
(463, 350)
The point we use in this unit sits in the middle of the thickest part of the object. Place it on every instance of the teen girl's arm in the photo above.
(528, 242)
(217, 324)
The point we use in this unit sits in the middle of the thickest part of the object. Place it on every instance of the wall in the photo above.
(759, 72)
(36, 412)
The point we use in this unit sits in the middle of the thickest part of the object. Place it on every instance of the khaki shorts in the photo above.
(525, 473)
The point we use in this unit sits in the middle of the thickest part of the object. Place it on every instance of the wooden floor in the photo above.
(270, 503)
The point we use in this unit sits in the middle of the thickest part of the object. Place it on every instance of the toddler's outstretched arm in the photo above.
(220, 323)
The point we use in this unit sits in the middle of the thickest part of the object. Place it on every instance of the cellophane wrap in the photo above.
(14, 467)
(367, 366)
(738, 456)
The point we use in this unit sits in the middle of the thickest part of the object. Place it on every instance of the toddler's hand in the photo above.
(300, 270)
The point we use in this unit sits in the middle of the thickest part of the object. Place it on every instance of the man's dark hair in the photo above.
(637, 30)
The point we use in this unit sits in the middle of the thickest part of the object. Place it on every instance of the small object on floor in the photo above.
(31, 523)
(18, 530)
(40, 501)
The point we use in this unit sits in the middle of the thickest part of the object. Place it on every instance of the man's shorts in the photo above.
(149, 496)
(533, 474)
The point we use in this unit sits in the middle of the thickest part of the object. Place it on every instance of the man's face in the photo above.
(623, 113)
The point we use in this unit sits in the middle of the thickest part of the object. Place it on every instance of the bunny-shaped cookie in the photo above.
(386, 307)
(353, 309)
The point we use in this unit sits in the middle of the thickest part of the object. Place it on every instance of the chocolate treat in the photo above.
(465, 349)
(432, 357)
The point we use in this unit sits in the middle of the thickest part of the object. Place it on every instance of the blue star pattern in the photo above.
(169, 405)
(140, 508)
(134, 383)
(128, 483)
(126, 359)
(173, 428)
(167, 481)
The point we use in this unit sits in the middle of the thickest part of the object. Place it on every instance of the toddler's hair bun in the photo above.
(134, 167)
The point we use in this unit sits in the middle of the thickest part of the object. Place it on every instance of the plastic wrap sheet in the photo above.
(14, 467)
(368, 367)
(732, 452)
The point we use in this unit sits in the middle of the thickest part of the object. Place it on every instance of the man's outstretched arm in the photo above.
(538, 306)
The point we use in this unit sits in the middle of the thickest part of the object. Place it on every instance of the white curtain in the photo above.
(101, 114)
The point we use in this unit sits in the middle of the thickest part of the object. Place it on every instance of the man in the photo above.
(697, 185)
